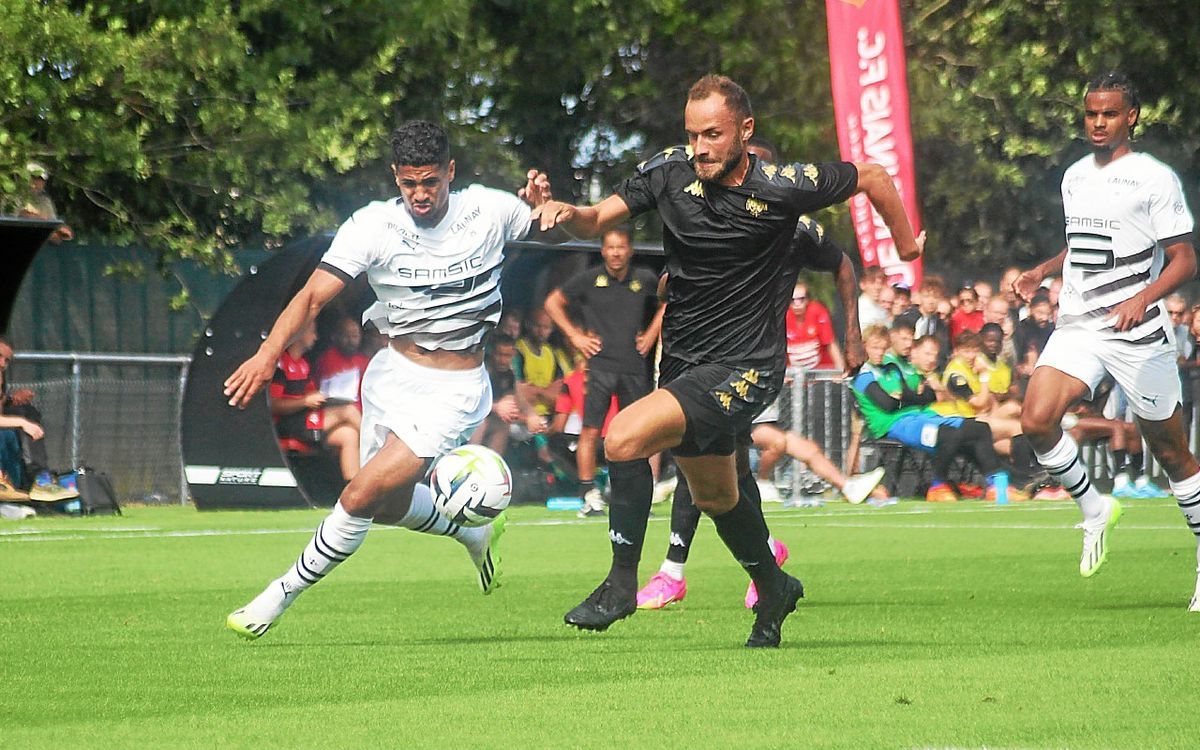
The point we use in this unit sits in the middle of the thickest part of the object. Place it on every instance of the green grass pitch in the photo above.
(964, 626)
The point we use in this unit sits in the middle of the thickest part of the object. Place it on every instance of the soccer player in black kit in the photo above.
(728, 222)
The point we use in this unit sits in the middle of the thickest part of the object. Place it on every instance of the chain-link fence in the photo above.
(114, 412)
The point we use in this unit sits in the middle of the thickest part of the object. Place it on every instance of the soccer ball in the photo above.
(471, 485)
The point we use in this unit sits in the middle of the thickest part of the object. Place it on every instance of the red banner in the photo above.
(870, 102)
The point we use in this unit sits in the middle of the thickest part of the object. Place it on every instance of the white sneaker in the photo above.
(593, 504)
(1095, 539)
(1194, 605)
(768, 491)
(664, 490)
(860, 486)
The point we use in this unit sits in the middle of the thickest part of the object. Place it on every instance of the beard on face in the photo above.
(724, 168)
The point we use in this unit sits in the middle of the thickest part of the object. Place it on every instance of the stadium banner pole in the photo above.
(870, 104)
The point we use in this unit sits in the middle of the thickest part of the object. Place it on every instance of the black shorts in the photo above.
(719, 401)
(601, 385)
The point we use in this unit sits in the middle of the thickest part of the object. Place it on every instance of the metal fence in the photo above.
(818, 404)
(118, 413)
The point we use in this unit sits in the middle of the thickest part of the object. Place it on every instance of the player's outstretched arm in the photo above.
(257, 371)
(881, 191)
(846, 282)
(582, 222)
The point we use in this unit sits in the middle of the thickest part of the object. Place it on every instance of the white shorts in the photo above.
(432, 411)
(1147, 373)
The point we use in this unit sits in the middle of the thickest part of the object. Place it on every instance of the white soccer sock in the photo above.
(1064, 465)
(423, 517)
(673, 569)
(338, 536)
(1187, 496)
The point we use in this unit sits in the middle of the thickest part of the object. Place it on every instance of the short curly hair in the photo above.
(1116, 80)
(419, 143)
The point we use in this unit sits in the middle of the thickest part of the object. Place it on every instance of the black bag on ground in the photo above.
(96, 494)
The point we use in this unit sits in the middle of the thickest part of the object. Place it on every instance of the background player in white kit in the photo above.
(1129, 245)
(434, 259)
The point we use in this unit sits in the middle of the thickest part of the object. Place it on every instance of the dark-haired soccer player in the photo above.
(434, 259)
(1129, 245)
(729, 221)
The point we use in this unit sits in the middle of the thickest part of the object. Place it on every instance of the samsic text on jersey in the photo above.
(726, 248)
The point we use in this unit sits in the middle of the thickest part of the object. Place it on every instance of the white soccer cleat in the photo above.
(487, 557)
(1194, 604)
(768, 492)
(1095, 539)
(860, 486)
(664, 489)
(256, 618)
(593, 504)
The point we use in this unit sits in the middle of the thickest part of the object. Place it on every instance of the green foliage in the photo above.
(195, 128)
(997, 92)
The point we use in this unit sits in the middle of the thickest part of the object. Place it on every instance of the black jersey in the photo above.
(729, 250)
(811, 250)
(616, 311)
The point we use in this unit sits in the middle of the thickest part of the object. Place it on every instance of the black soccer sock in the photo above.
(1135, 466)
(628, 512)
(586, 486)
(1120, 461)
(745, 533)
(685, 517)
(978, 440)
(949, 442)
(1024, 460)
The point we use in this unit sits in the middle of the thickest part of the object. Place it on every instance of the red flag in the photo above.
(870, 103)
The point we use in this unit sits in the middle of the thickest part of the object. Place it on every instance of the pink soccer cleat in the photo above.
(660, 591)
(781, 555)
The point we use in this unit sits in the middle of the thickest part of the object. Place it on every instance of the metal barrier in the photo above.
(116, 412)
(815, 404)
(818, 405)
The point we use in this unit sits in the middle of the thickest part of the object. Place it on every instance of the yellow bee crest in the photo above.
(635, 286)
(756, 207)
(601, 280)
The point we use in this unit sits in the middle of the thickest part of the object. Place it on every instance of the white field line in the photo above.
(871, 519)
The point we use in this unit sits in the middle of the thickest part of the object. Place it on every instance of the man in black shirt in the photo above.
(621, 320)
(729, 223)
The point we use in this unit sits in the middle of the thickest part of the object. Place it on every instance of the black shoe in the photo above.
(602, 608)
(769, 614)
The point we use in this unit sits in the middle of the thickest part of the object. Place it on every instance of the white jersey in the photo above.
(1119, 218)
(438, 285)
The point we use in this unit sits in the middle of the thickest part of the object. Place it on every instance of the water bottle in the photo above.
(1000, 482)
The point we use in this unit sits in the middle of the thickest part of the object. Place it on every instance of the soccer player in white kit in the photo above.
(1129, 245)
(434, 259)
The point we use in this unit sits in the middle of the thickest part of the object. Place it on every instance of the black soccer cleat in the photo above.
(770, 613)
(602, 608)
